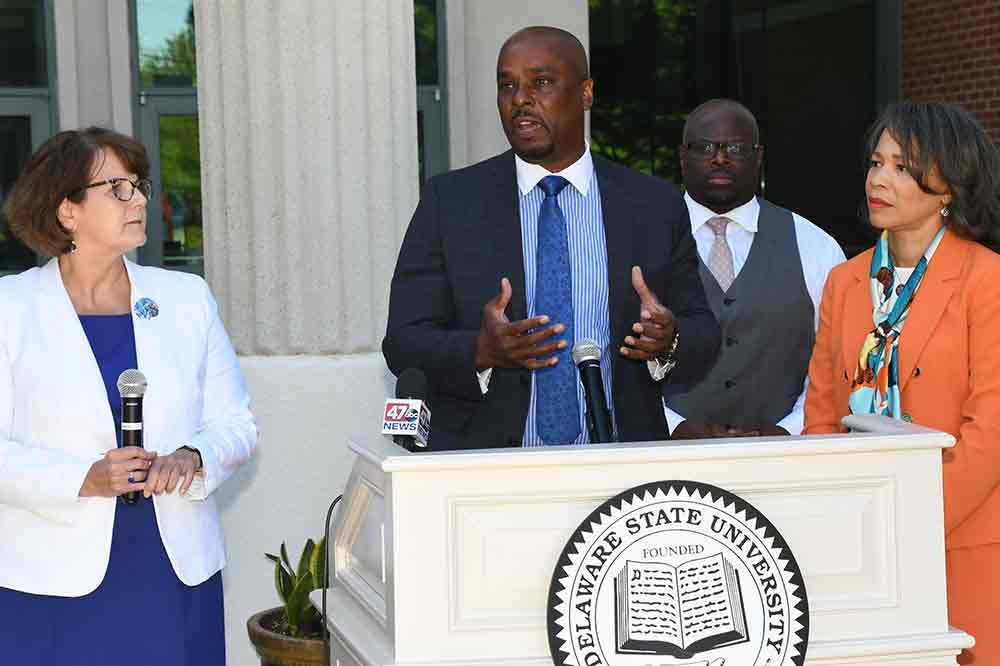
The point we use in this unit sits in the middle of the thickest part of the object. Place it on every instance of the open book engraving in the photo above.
(678, 611)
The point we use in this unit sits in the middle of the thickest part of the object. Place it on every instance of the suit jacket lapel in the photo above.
(857, 317)
(616, 214)
(503, 211)
(70, 354)
(930, 301)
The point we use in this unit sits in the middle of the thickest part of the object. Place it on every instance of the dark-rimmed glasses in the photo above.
(123, 189)
(734, 150)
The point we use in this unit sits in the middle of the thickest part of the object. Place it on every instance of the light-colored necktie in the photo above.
(720, 258)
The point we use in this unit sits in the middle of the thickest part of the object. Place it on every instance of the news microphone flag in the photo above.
(408, 417)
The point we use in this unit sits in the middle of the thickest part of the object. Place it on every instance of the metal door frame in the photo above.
(152, 106)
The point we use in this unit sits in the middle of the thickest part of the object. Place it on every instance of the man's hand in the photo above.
(520, 344)
(655, 328)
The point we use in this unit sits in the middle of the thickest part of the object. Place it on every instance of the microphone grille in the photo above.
(586, 350)
(131, 384)
(412, 383)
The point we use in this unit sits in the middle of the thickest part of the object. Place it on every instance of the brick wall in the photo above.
(951, 53)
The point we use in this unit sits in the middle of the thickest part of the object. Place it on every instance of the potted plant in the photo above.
(292, 634)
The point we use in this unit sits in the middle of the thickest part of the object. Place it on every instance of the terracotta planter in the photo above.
(279, 650)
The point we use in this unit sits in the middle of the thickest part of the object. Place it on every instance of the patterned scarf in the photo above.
(875, 389)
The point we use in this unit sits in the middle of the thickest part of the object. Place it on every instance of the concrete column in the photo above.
(93, 65)
(309, 166)
(308, 134)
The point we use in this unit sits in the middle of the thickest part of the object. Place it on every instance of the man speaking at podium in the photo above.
(508, 262)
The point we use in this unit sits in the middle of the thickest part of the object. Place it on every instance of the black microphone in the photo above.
(408, 418)
(587, 356)
(131, 387)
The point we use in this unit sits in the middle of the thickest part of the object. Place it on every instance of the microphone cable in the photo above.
(326, 578)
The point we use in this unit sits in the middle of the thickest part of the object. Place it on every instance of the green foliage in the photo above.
(644, 79)
(295, 583)
(175, 64)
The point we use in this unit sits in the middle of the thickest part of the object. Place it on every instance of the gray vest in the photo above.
(767, 322)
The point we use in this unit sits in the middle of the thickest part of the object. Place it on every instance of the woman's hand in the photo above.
(167, 472)
(109, 476)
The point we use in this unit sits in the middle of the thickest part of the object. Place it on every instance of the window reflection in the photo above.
(653, 61)
(166, 43)
(425, 25)
(15, 148)
(22, 43)
(180, 196)
(640, 59)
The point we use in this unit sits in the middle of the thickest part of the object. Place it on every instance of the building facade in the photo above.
(289, 139)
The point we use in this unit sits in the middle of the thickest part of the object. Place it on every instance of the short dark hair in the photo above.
(59, 169)
(948, 138)
(721, 102)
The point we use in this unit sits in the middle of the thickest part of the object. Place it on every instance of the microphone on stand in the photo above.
(131, 387)
(407, 417)
(587, 357)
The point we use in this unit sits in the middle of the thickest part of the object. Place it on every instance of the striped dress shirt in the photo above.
(588, 258)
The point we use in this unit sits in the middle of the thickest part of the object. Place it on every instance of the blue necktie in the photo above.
(557, 411)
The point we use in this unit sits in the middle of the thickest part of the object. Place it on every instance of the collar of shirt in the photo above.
(578, 173)
(745, 215)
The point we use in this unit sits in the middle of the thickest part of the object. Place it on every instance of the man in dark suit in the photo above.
(580, 248)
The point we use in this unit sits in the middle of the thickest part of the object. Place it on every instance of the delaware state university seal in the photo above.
(677, 572)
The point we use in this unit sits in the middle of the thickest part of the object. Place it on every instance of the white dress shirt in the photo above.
(818, 251)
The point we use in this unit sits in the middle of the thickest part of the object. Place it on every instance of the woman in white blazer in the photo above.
(84, 577)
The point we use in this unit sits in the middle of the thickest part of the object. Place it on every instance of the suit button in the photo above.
(907, 417)
(916, 372)
(728, 300)
(730, 342)
(730, 383)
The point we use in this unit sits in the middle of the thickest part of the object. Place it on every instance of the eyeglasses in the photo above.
(734, 150)
(123, 189)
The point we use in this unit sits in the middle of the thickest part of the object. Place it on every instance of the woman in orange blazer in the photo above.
(910, 329)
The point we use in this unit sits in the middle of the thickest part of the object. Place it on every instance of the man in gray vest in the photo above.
(763, 269)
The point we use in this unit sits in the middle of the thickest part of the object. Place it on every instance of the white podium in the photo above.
(447, 558)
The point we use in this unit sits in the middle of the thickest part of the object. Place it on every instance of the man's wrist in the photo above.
(668, 356)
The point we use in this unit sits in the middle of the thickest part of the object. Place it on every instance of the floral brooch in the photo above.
(146, 308)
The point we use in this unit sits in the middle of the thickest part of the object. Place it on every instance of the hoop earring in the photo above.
(945, 212)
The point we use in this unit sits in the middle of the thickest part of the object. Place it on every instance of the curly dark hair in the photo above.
(950, 139)
(58, 170)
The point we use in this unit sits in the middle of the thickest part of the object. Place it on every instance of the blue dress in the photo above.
(141, 613)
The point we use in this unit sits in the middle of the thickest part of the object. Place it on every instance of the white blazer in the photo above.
(55, 423)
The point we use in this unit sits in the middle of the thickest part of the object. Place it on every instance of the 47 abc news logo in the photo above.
(407, 416)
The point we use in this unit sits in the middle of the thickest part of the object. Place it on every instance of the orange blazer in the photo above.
(949, 372)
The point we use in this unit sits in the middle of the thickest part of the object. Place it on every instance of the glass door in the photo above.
(170, 134)
(432, 127)
(26, 69)
(24, 125)
(167, 115)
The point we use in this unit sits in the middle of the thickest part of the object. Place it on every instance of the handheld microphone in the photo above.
(587, 356)
(407, 417)
(131, 387)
